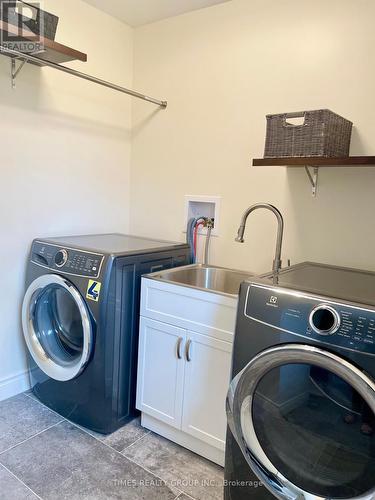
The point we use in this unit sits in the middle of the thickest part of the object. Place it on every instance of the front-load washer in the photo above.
(301, 406)
(80, 322)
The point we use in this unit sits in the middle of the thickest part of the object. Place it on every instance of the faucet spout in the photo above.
(277, 263)
(240, 236)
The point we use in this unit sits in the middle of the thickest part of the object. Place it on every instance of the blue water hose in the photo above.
(190, 236)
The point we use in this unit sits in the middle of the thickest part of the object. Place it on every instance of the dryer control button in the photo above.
(61, 258)
(325, 320)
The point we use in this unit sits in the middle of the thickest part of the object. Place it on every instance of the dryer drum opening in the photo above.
(56, 327)
(294, 435)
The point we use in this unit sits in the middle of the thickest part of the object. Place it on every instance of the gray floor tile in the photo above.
(12, 489)
(124, 437)
(120, 439)
(66, 463)
(20, 418)
(31, 395)
(179, 467)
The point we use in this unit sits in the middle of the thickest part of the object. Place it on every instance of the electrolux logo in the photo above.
(25, 26)
(273, 301)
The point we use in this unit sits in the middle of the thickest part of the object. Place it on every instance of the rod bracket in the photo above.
(14, 72)
(313, 178)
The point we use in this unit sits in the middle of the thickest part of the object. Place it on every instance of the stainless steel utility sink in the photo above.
(211, 278)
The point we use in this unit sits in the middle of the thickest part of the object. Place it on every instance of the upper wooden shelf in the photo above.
(315, 162)
(311, 161)
(53, 51)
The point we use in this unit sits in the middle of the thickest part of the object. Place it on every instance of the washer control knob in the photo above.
(325, 320)
(61, 258)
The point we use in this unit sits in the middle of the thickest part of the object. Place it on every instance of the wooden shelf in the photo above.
(53, 51)
(316, 163)
(311, 161)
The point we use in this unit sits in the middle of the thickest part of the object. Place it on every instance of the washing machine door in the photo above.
(300, 440)
(57, 327)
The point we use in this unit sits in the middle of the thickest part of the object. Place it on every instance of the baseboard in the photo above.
(191, 443)
(14, 385)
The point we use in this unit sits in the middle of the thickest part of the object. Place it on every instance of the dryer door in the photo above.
(57, 327)
(303, 418)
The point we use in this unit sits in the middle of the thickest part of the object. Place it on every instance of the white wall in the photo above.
(66, 143)
(65, 158)
(222, 70)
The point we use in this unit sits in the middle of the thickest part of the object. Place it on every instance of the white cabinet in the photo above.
(161, 371)
(206, 381)
(184, 364)
(183, 378)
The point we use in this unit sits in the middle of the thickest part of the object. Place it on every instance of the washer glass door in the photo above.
(305, 420)
(56, 327)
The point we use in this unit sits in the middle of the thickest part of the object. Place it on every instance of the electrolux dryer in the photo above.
(301, 406)
(80, 321)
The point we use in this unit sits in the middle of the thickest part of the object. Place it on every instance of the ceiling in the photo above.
(139, 12)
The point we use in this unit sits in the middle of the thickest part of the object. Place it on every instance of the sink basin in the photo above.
(211, 278)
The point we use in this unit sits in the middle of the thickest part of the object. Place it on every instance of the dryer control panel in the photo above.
(67, 260)
(334, 323)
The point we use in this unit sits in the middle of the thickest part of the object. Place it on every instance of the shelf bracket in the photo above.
(15, 71)
(313, 178)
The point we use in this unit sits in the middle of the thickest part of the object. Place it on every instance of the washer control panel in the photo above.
(67, 260)
(338, 324)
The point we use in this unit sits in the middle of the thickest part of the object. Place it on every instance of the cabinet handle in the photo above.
(187, 350)
(178, 347)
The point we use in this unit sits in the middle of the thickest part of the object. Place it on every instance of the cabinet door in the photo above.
(207, 378)
(161, 368)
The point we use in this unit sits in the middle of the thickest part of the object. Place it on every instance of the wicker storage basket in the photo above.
(322, 133)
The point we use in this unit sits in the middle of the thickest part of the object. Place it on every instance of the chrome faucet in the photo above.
(277, 263)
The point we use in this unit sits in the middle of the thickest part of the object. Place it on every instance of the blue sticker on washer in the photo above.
(93, 290)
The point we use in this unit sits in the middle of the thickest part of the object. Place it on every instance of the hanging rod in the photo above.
(79, 74)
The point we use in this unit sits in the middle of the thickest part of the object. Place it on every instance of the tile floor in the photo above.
(45, 456)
